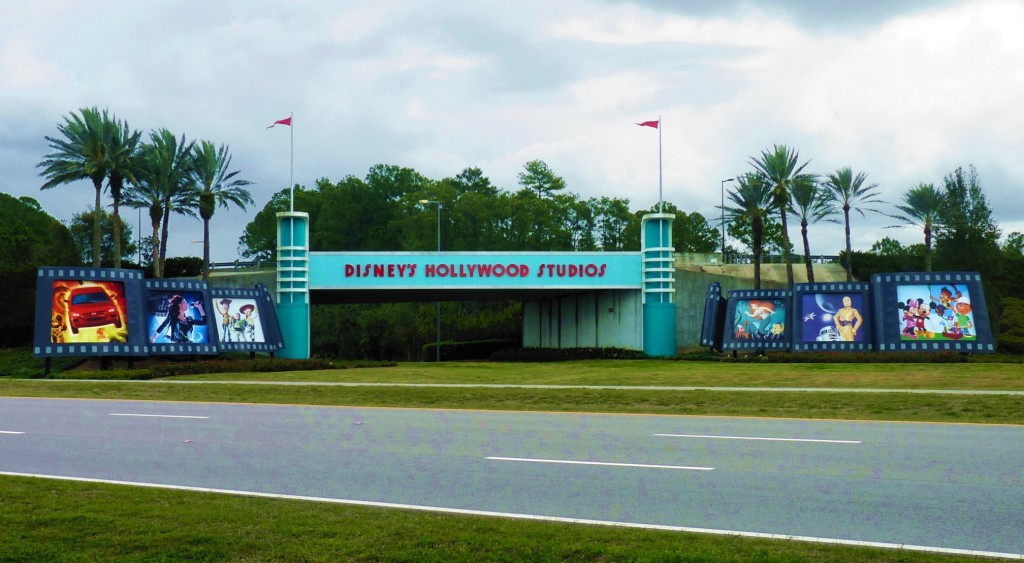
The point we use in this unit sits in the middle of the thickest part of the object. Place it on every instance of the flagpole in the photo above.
(291, 164)
(660, 204)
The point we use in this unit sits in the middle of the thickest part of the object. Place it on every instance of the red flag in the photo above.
(649, 124)
(286, 121)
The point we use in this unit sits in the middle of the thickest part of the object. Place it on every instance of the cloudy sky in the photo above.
(905, 91)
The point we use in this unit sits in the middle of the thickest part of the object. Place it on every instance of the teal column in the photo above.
(658, 284)
(293, 283)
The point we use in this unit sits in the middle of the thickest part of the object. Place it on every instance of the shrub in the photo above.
(943, 357)
(564, 354)
(107, 374)
(474, 350)
(1010, 336)
(19, 362)
(236, 366)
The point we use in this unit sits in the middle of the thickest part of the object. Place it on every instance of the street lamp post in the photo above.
(723, 216)
(437, 304)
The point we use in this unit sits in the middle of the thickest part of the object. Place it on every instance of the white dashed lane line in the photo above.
(604, 463)
(812, 440)
(10, 432)
(157, 415)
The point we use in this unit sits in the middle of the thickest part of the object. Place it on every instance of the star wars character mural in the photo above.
(176, 317)
(239, 320)
(88, 311)
(832, 317)
(759, 320)
(934, 312)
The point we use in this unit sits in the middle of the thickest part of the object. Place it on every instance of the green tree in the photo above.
(80, 228)
(539, 178)
(780, 169)
(163, 184)
(29, 237)
(849, 192)
(741, 230)
(887, 255)
(389, 189)
(180, 192)
(146, 194)
(968, 237)
(922, 208)
(259, 239)
(574, 223)
(122, 159)
(810, 203)
(523, 224)
(218, 185)
(615, 223)
(691, 232)
(751, 200)
(78, 153)
(474, 210)
(887, 247)
(1014, 245)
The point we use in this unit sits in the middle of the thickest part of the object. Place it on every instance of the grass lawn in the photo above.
(672, 373)
(44, 520)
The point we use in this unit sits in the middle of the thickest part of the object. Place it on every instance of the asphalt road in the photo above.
(943, 486)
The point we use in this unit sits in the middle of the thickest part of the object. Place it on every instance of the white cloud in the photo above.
(440, 86)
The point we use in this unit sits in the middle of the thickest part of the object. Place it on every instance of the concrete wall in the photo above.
(244, 278)
(606, 318)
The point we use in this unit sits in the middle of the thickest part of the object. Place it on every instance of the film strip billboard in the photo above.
(757, 320)
(915, 311)
(81, 311)
(832, 317)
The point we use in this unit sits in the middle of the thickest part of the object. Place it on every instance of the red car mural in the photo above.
(91, 306)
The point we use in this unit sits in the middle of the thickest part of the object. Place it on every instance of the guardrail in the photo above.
(238, 265)
(779, 259)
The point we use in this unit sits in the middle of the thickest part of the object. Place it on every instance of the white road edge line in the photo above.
(10, 432)
(572, 462)
(156, 415)
(760, 438)
(468, 512)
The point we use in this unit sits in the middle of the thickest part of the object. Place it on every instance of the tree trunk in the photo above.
(807, 252)
(206, 249)
(163, 235)
(97, 228)
(157, 271)
(785, 250)
(927, 248)
(849, 250)
(117, 235)
(757, 233)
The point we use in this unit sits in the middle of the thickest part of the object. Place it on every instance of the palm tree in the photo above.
(122, 146)
(217, 186)
(145, 192)
(80, 152)
(922, 206)
(848, 191)
(163, 183)
(181, 193)
(779, 169)
(810, 203)
(751, 199)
